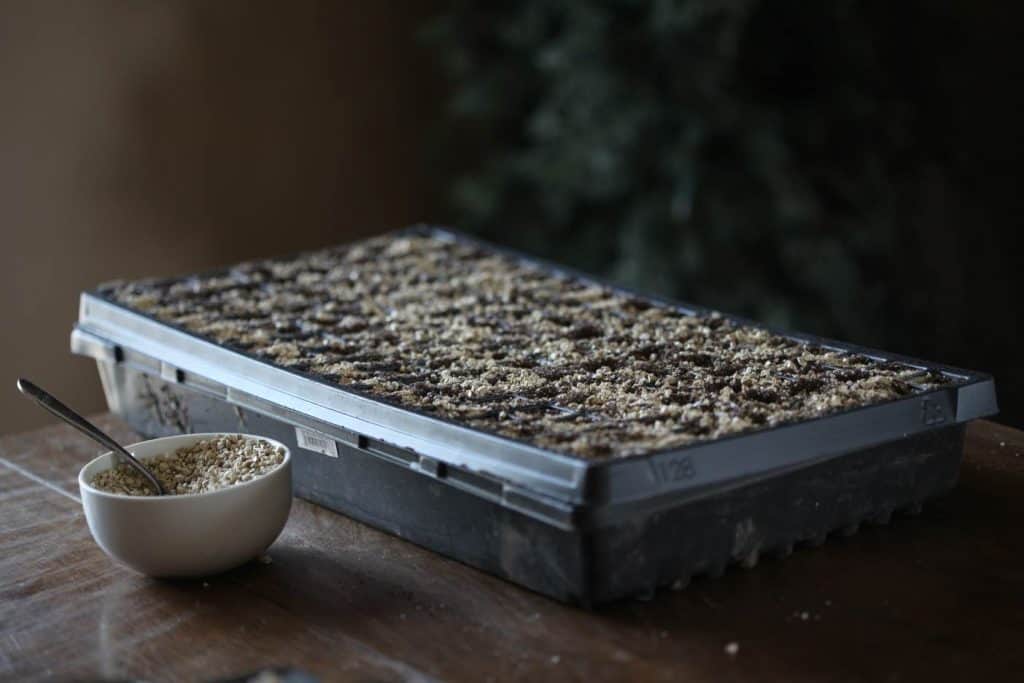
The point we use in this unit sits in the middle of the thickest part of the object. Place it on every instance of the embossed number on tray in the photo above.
(672, 469)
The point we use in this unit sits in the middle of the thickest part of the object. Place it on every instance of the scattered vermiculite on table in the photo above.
(580, 423)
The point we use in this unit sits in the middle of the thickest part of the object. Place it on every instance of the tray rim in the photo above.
(564, 476)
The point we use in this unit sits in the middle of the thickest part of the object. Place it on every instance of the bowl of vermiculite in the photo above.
(227, 498)
(181, 506)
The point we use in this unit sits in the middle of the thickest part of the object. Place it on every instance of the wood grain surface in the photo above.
(939, 596)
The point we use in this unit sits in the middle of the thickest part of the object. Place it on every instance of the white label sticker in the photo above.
(316, 442)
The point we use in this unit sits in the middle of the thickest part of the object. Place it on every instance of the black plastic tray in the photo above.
(578, 530)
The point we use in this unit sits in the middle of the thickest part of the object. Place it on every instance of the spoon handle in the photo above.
(50, 403)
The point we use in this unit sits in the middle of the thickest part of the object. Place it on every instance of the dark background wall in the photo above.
(845, 168)
(848, 168)
(149, 138)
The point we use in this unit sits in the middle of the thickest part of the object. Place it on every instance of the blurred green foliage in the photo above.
(739, 154)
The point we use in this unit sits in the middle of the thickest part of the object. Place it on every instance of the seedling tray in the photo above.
(525, 493)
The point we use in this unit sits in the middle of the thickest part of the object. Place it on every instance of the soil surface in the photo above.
(455, 330)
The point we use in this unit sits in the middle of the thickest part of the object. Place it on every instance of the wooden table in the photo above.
(935, 597)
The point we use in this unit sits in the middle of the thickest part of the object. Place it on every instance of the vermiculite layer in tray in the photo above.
(477, 337)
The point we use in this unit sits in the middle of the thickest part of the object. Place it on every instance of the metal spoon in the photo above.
(48, 401)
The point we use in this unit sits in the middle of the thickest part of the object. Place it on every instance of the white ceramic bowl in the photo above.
(187, 535)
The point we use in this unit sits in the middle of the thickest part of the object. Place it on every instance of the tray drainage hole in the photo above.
(716, 571)
(816, 541)
(783, 551)
(883, 517)
(680, 583)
